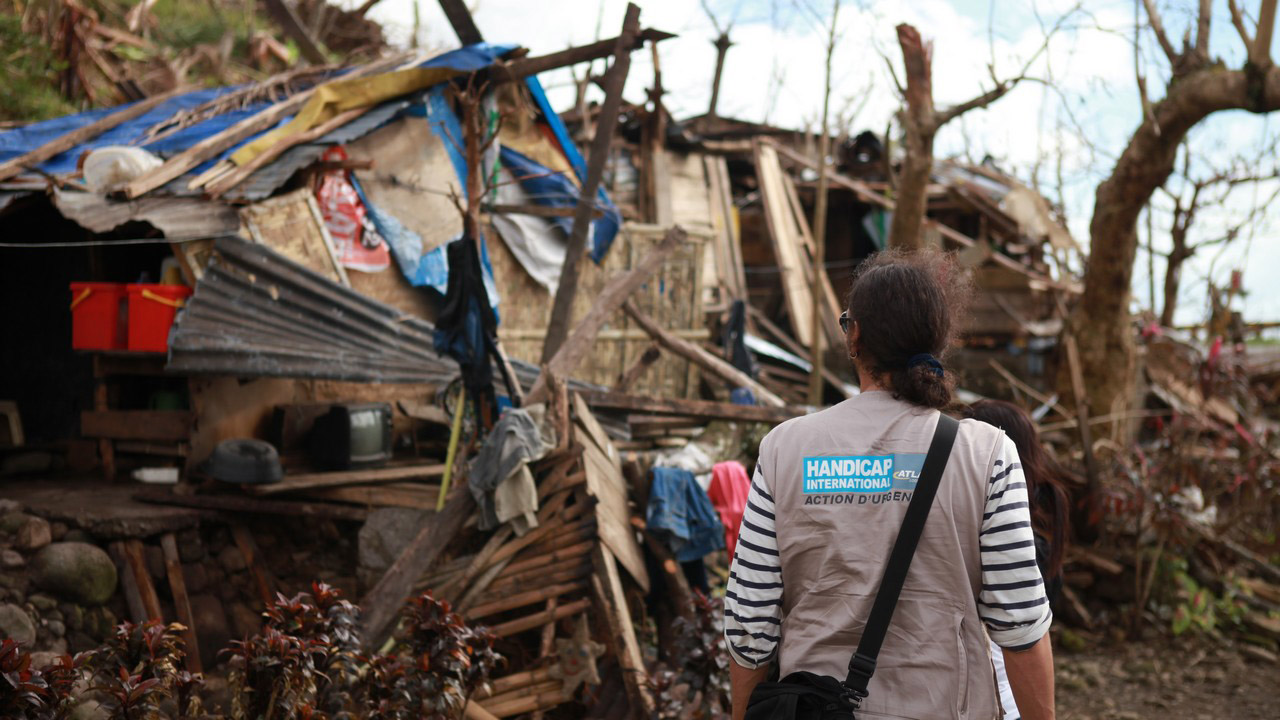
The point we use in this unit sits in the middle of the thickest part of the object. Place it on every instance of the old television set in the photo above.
(352, 436)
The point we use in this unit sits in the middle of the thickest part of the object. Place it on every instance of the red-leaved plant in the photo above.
(138, 673)
(31, 692)
(694, 684)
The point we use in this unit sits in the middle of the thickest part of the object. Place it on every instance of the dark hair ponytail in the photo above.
(908, 307)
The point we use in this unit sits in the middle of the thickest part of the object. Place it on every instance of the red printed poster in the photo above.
(355, 241)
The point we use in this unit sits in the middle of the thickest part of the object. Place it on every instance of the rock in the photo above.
(16, 583)
(155, 561)
(232, 559)
(72, 615)
(34, 535)
(56, 628)
(229, 591)
(78, 572)
(56, 645)
(44, 658)
(9, 506)
(16, 623)
(79, 535)
(219, 538)
(89, 710)
(244, 622)
(11, 559)
(12, 520)
(197, 577)
(42, 602)
(384, 535)
(58, 530)
(190, 549)
(80, 642)
(100, 622)
(211, 627)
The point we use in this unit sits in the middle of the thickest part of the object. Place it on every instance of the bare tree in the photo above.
(920, 122)
(1210, 190)
(1198, 86)
(820, 216)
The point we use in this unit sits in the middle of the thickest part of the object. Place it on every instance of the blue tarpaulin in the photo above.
(25, 139)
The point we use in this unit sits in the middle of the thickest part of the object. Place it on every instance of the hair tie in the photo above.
(925, 359)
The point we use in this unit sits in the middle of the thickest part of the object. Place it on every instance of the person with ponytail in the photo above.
(828, 497)
(1046, 488)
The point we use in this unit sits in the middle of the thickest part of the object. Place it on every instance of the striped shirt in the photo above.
(1012, 601)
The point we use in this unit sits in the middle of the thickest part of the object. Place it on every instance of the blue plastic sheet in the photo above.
(23, 140)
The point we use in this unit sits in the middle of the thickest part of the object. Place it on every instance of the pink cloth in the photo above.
(728, 492)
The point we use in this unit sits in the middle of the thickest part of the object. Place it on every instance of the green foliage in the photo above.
(1198, 609)
(28, 71)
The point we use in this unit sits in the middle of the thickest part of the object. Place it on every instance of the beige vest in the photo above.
(841, 480)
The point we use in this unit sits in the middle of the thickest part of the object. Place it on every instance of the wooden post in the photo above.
(607, 584)
(463, 24)
(722, 48)
(1082, 410)
(309, 46)
(181, 603)
(562, 309)
(609, 299)
(137, 564)
(249, 551)
(820, 226)
(381, 603)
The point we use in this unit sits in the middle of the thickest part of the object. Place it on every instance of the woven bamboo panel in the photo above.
(672, 297)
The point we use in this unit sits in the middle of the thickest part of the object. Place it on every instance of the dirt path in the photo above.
(1171, 680)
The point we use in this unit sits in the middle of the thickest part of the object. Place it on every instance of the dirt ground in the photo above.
(1169, 679)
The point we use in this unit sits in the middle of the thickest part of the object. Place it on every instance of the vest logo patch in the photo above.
(857, 474)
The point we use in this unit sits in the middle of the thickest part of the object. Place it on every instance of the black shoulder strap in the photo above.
(863, 662)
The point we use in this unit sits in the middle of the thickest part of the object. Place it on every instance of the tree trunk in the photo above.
(1172, 281)
(912, 196)
(1101, 320)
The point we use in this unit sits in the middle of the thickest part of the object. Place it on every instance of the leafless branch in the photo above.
(1237, 19)
(1157, 27)
(1202, 29)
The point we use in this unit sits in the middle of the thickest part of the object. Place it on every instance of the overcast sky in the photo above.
(1081, 104)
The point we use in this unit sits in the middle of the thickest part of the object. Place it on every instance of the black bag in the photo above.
(806, 696)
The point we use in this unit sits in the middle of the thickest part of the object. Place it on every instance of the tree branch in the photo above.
(1157, 26)
(1202, 29)
(1266, 28)
(983, 100)
(1237, 19)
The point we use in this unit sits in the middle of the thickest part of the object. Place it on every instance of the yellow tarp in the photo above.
(339, 96)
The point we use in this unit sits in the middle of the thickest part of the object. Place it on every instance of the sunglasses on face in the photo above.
(844, 322)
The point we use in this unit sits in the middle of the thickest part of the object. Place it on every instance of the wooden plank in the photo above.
(381, 603)
(518, 69)
(155, 425)
(463, 24)
(607, 585)
(523, 599)
(539, 619)
(619, 288)
(132, 597)
(241, 504)
(704, 409)
(728, 246)
(181, 602)
(703, 359)
(283, 15)
(606, 482)
(411, 495)
(785, 236)
(80, 135)
(137, 564)
(253, 559)
(308, 481)
(831, 324)
(575, 247)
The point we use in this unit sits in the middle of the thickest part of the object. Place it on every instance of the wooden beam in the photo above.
(240, 504)
(401, 494)
(607, 584)
(610, 298)
(638, 368)
(310, 481)
(156, 425)
(137, 565)
(576, 246)
(585, 53)
(463, 24)
(82, 134)
(283, 15)
(691, 408)
(700, 357)
(382, 602)
(181, 602)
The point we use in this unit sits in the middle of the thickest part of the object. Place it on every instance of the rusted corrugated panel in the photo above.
(256, 313)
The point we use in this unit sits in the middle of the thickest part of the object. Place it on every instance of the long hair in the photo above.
(907, 304)
(1045, 478)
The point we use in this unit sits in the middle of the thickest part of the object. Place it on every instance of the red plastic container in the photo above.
(96, 317)
(152, 308)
